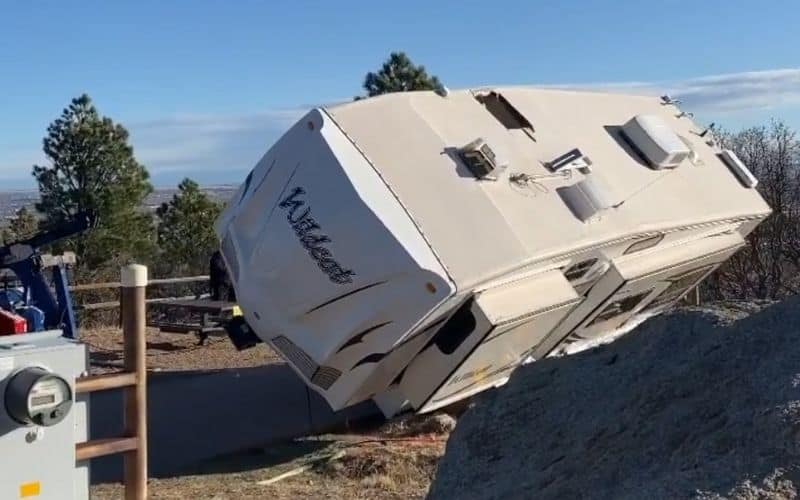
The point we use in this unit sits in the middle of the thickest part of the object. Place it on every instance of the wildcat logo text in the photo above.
(308, 231)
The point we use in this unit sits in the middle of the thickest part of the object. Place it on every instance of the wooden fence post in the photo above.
(134, 283)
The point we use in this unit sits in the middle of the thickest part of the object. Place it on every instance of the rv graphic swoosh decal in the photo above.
(372, 358)
(344, 295)
(355, 339)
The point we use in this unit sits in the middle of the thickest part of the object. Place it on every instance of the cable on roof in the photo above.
(531, 182)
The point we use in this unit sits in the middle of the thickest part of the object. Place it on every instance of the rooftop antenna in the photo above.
(710, 128)
(666, 99)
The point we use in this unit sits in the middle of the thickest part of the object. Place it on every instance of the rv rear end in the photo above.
(327, 266)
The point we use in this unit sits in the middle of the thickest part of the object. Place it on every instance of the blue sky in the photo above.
(205, 87)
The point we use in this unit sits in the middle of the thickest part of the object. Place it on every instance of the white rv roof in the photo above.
(409, 139)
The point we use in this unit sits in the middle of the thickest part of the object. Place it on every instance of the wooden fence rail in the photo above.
(157, 281)
(114, 304)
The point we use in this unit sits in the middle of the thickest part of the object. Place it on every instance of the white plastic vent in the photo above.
(572, 160)
(655, 141)
(739, 169)
(587, 199)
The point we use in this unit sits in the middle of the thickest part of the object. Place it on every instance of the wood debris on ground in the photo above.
(377, 464)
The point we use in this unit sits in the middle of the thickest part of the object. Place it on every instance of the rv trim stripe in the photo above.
(344, 295)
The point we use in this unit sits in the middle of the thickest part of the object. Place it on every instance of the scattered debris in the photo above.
(299, 470)
(414, 425)
(440, 424)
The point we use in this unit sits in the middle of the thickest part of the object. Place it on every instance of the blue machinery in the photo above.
(44, 308)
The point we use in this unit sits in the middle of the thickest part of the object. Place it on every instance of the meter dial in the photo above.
(36, 396)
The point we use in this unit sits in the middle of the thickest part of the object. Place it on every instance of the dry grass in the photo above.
(372, 468)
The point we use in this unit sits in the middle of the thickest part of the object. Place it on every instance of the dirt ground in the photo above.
(396, 460)
(365, 466)
(173, 351)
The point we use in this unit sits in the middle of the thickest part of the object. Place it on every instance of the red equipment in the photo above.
(12, 324)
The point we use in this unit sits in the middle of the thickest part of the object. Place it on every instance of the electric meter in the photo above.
(36, 396)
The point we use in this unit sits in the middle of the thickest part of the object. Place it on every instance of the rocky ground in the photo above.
(701, 403)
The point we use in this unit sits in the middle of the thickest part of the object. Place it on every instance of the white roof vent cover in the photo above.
(739, 169)
(587, 199)
(656, 141)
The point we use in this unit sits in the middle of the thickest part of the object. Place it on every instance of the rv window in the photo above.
(620, 306)
(644, 244)
(679, 286)
(579, 270)
(504, 112)
(456, 329)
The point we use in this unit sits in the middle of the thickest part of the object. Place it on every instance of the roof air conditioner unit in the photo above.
(480, 159)
(655, 141)
(738, 168)
(587, 199)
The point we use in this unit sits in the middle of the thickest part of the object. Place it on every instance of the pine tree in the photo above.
(186, 235)
(92, 168)
(399, 74)
(24, 225)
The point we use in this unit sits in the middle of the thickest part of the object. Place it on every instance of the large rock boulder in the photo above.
(678, 408)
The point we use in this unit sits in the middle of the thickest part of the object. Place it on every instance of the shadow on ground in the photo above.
(195, 417)
(165, 346)
(259, 458)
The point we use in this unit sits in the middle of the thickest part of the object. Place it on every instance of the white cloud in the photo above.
(732, 92)
(203, 142)
(742, 91)
(220, 147)
(208, 146)
(213, 123)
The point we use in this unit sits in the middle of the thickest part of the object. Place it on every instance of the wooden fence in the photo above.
(133, 381)
(113, 304)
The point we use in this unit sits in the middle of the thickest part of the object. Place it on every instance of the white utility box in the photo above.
(41, 419)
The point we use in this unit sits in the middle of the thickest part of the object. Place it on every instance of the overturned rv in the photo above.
(414, 248)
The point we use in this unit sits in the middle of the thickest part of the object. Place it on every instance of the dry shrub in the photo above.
(385, 467)
(379, 482)
(416, 425)
(360, 466)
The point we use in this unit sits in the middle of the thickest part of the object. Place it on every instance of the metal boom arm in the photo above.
(24, 259)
